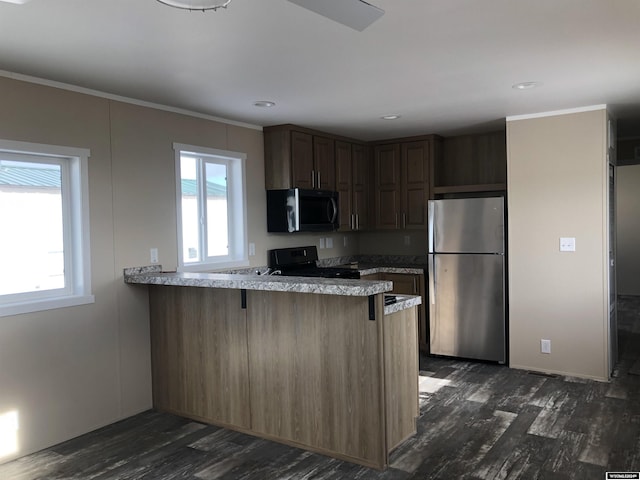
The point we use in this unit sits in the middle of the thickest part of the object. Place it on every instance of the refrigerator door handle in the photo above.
(432, 279)
(431, 213)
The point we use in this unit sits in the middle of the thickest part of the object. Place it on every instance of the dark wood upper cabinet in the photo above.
(384, 185)
(324, 164)
(361, 181)
(472, 163)
(302, 160)
(298, 159)
(387, 185)
(416, 161)
(344, 183)
(352, 181)
(403, 183)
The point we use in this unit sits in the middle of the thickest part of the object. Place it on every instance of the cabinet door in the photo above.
(471, 163)
(415, 184)
(387, 182)
(302, 160)
(199, 349)
(360, 186)
(324, 163)
(343, 184)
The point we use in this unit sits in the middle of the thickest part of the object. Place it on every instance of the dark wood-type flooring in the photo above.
(478, 421)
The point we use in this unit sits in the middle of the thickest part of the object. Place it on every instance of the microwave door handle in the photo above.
(332, 214)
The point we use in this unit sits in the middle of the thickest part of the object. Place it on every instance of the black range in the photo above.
(303, 262)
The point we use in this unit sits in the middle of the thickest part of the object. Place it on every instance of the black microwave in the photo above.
(297, 210)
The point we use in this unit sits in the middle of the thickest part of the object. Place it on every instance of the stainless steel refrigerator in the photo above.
(467, 278)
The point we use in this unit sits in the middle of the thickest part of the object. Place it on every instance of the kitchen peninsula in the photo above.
(321, 364)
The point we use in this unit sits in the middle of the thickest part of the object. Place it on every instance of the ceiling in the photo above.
(445, 66)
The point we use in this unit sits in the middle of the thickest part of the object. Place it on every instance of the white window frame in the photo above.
(75, 205)
(236, 208)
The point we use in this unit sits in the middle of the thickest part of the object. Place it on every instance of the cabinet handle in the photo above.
(351, 222)
(396, 219)
(357, 221)
(404, 220)
(319, 184)
(313, 179)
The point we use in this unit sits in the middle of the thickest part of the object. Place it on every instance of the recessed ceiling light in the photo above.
(264, 104)
(394, 116)
(526, 85)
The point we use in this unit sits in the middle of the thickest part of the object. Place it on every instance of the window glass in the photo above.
(212, 220)
(217, 210)
(190, 210)
(44, 211)
(32, 247)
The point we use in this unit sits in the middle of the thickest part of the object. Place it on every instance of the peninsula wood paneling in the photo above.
(199, 353)
(307, 370)
(317, 373)
(400, 363)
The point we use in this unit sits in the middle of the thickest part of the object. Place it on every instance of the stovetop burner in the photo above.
(302, 262)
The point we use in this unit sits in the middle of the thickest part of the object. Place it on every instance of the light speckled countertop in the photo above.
(326, 286)
(369, 269)
(402, 303)
(153, 275)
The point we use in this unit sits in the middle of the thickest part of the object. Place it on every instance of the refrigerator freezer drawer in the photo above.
(467, 311)
(469, 225)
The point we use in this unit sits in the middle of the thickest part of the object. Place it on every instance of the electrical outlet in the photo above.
(345, 240)
(407, 240)
(567, 244)
(153, 255)
(321, 243)
(545, 346)
(329, 242)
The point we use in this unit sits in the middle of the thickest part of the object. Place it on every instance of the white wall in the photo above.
(557, 187)
(61, 369)
(628, 220)
(71, 370)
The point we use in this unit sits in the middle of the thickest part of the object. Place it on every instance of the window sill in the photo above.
(44, 304)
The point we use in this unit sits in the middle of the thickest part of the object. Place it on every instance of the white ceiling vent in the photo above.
(356, 14)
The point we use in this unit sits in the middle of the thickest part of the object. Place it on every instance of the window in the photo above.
(44, 245)
(211, 208)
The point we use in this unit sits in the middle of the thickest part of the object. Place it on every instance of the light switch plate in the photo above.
(153, 255)
(329, 242)
(252, 249)
(567, 244)
(321, 243)
(545, 345)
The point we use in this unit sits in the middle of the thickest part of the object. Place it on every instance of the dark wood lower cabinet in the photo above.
(307, 370)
